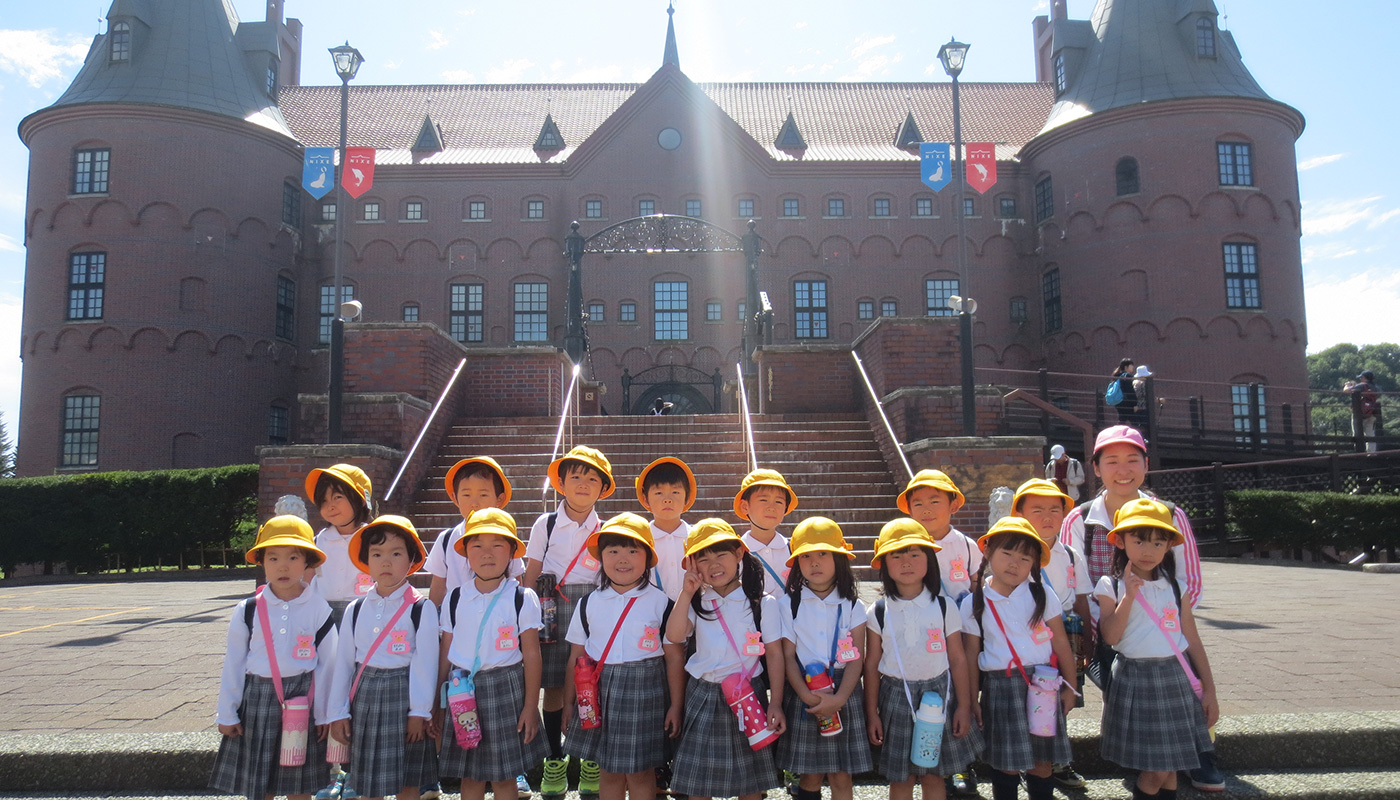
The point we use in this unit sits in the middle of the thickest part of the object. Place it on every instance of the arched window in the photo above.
(1060, 80)
(120, 37)
(1205, 38)
(1126, 176)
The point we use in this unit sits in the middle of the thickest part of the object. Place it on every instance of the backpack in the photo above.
(250, 608)
(457, 594)
(1083, 510)
(880, 610)
(415, 613)
(583, 610)
(1370, 402)
(1113, 395)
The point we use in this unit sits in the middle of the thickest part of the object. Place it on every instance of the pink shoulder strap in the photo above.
(1180, 659)
(410, 596)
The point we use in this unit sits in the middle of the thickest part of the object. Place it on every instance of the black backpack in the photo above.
(457, 594)
(250, 609)
(415, 614)
(583, 610)
(1083, 510)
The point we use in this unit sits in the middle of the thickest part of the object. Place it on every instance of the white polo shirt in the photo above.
(638, 637)
(958, 563)
(403, 647)
(714, 658)
(557, 550)
(817, 617)
(294, 624)
(1142, 638)
(500, 641)
(1067, 575)
(1033, 646)
(774, 557)
(919, 631)
(445, 562)
(670, 549)
(337, 578)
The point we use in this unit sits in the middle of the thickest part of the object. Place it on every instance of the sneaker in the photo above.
(347, 792)
(1208, 777)
(432, 792)
(589, 774)
(1066, 778)
(331, 792)
(522, 787)
(790, 783)
(555, 782)
(963, 784)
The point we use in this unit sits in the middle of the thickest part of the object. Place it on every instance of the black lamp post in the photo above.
(952, 55)
(347, 63)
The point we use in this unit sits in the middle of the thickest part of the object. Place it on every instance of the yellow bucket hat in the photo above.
(898, 534)
(630, 525)
(689, 477)
(764, 477)
(349, 474)
(492, 521)
(489, 462)
(287, 531)
(1039, 487)
(1021, 527)
(708, 532)
(395, 523)
(1143, 512)
(592, 458)
(932, 478)
(818, 533)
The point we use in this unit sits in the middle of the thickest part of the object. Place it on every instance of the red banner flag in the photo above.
(358, 173)
(981, 165)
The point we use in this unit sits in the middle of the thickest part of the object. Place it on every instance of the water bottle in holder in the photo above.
(296, 721)
(819, 681)
(753, 720)
(545, 587)
(927, 744)
(586, 692)
(1043, 700)
(460, 692)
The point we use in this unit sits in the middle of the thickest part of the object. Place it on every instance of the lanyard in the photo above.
(744, 671)
(481, 628)
(771, 571)
(560, 587)
(608, 648)
(1014, 657)
(261, 602)
(409, 598)
(835, 632)
(1190, 675)
(903, 679)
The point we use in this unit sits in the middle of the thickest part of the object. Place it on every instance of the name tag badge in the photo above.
(651, 639)
(1072, 580)
(589, 562)
(753, 644)
(1169, 621)
(846, 650)
(398, 642)
(305, 649)
(957, 570)
(935, 640)
(505, 638)
(1041, 634)
(363, 583)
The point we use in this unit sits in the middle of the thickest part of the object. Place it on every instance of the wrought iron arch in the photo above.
(675, 383)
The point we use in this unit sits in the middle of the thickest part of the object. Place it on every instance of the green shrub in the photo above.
(90, 521)
(1313, 520)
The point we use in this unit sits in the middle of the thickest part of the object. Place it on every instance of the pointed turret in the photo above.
(908, 134)
(429, 137)
(671, 57)
(549, 138)
(789, 137)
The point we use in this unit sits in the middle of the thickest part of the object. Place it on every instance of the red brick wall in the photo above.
(910, 351)
(979, 465)
(807, 379)
(515, 382)
(283, 470)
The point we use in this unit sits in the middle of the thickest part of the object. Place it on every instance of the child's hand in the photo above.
(693, 582)
(777, 720)
(568, 712)
(232, 731)
(1132, 584)
(675, 719)
(417, 726)
(340, 729)
(1210, 705)
(874, 730)
(962, 721)
(435, 724)
(977, 714)
(322, 731)
(1066, 699)
(529, 723)
(826, 705)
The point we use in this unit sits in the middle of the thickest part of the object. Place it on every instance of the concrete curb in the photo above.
(95, 762)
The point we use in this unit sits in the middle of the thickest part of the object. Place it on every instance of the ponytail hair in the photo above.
(1018, 544)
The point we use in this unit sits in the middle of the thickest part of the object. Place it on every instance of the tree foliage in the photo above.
(1330, 369)
(7, 450)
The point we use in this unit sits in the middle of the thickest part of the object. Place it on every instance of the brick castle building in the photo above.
(178, 288)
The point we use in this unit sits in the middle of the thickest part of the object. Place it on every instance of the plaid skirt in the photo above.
(1151, 719)
(1010, 745)
(503, 752)
(714, 758)
(893, 761)
(805, 751)
(555, 657)
(632, 738)
(247, 764)
(381, 762)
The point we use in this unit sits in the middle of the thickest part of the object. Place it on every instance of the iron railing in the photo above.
(880, 407)
(746, 417)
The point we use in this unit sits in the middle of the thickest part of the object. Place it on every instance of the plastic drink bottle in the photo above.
(461, 706)
(1043, 700)
(819, 681)
(549, 609)
(586, 691)
(753, 720)
(927, 745)
(337, 752)
(296, 719)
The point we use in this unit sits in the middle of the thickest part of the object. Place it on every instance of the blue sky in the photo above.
(1330, 61)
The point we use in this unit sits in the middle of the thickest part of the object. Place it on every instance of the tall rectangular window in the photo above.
(1044, 200)
(279, 425)
(1060, 77)
(90, 169)
(328, 212)
(809, 302)
(464, 311)
(1240, 411)
(1205, 38)
(1050, 291)
(923, 206)
(329, 308)
(80, 423)
(1236, 163)
(291, 204)
(1241, 275)
(120, 34)
(646, 208)
(1006, 207)
(692, 208)
(534, 209)
(476, 210)
(87, 275)
(835, 207)
(936, 294)
(285, 326)
(882, 206)
(671, 310)
(969, 206)
(791, 207)
(739, 311)
(593, 209)
(745, 209)
(531, 312)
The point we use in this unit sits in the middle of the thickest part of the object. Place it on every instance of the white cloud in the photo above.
(1331, 251)
(1335, 305)
(791, 70)
(865, 44)
(466, 12)
(458, 76)
(800, 25)
(1313, 163)
(1326, 217)
(509, 71)
(8, 244)
(40, 56)
(392, 64)
(869, 68)
(436, 41)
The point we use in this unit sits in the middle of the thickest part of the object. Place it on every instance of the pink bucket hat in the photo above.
(1119, 433)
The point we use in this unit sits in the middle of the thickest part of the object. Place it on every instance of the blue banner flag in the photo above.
(318, 171)
(934, 168)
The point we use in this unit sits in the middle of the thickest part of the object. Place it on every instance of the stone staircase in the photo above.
(832, 462)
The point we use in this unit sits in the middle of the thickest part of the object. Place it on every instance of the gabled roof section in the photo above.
(189, 58)
(908, 134)
(550, 138)
(789, 137)
(429, 138)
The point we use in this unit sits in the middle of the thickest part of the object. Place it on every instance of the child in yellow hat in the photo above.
(763, 500)
(344, 497)
(825, 624)
(932, 498)
(386, 666)
(472, 484)
(558, 565)
(618, 628)
(279, 641)
(666, 488)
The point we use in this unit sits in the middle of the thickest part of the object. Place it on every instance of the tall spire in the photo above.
(671, 56)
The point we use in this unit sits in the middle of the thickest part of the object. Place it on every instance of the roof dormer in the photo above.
(789, 137)
(549, 139)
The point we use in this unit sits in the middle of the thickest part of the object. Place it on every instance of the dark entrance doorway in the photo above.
(689, 390)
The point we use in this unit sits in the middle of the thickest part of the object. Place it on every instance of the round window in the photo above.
(669, 138)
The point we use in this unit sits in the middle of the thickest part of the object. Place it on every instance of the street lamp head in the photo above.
(347, 61)
(952, 55)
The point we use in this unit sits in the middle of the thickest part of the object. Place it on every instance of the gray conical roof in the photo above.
(1145, 50)
(185, 53)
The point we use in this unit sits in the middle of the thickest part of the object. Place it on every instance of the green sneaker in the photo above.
(589, 774)
(555, 782)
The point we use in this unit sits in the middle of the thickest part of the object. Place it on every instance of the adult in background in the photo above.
(1128, 405)
(1140, 392)
(1365, 386)
(1065, 471)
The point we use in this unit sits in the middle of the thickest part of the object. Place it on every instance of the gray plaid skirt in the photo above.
(632, 738)
(805, 751)
(714, 758)
(555, 657)
(1010, 745)
(247, 764)
(503, 752)
(381, 762)
(1151, 718)
(898, 720)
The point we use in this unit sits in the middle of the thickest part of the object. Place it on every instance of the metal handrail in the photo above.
(407, 459)
(559, 433)
(898, 448)
(748, 424)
